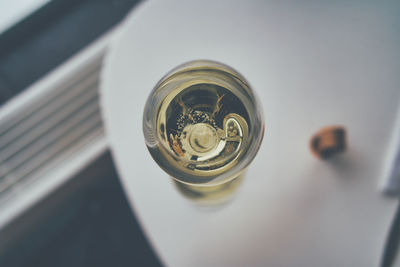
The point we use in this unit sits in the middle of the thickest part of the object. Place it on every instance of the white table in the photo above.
(312, 64)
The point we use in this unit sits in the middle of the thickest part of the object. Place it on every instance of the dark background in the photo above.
(50, 36)
(88, 221)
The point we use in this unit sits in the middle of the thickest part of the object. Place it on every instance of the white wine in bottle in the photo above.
(202, 124)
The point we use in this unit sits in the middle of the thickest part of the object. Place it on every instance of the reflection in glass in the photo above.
(203, 125)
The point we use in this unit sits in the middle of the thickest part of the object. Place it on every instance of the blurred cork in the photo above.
(328, 141)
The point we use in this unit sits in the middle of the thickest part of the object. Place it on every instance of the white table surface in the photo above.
(313, 64)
